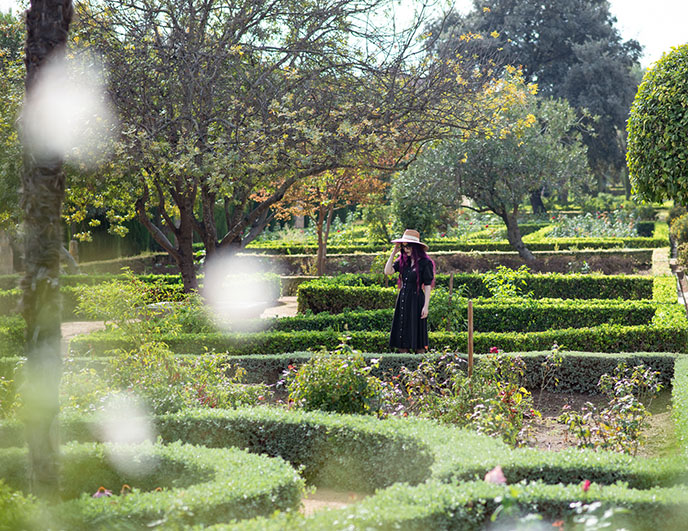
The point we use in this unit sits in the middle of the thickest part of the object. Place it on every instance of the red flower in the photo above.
(486, 226)
(494, 350)
(102, 492)
(290, 367)
(586, 485)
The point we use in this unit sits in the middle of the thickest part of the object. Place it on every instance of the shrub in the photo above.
(338, 381)
(657, 137)
(492, 400)
(679, 229)
(198, 486)
(618, 426)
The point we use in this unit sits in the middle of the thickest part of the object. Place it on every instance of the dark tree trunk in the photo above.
(43, 184)
(536, 202)
(513, 234)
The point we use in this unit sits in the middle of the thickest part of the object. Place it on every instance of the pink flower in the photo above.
(486, 226)
(102, 492)
(494, 350)
(496, 476)
(586, 485)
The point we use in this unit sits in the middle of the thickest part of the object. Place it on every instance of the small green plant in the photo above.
(548, 370)
(10, 398)
(491, 401)
(338, 381)
(618, 426)
(168, 383)
(128, 304)
(504, 282)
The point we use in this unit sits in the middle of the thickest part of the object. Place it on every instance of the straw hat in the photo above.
(411, 236)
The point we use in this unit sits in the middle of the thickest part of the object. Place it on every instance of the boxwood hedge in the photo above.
(551, 244)
(198, 485)
(335, 294)
(602, 338)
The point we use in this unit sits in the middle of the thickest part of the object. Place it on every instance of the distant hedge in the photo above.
(551, 244)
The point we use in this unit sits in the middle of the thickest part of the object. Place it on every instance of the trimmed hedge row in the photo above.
(337, 293)
(470, 507)
(551, 244)
(602, 338)
(579, 371)
(215, 485)
(679, 398)
(365, 453)
(488, 315)
(9, 299)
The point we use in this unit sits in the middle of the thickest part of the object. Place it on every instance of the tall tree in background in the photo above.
(12, 36)
(320, 195)
(43, 184)
(572, 50)
(219, 99)
(533, 142)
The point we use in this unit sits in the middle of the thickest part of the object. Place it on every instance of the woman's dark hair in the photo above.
(417, 253)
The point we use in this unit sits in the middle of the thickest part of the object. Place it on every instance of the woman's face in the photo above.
(406, 248)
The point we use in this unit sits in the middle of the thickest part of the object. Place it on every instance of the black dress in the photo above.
(409, 331)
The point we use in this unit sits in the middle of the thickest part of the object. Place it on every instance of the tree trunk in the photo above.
(43, 184)
(322, 243)
(513, 234)
(536, 202)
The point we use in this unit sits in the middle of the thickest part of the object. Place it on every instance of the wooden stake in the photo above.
(470, 338)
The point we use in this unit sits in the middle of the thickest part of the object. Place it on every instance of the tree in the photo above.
(320, 195)
(43, 184)
(531, 143)
(570, 49)
(11, 93)
(220, 99)
(657, 136)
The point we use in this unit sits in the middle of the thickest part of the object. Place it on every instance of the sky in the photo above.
(657, 25)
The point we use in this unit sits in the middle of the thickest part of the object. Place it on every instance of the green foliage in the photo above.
(656, 154)
(366, 292)
(615, 224)
(679, 229)
(197, 486)
(18, 510)
(572, 50)
(10, 398)
(619, 425)
(675, 212)
(168, 383)
(505, 282)
(491, 401)
(128, 304)
(338, 381)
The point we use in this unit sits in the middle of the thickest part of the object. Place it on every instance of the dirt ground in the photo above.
(548, 434)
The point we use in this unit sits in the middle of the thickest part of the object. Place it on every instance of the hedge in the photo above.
(551, 244)
(679, 398)
(602, 338)
(334, 294)
(365, 453)
(212, 485)
(470, 506)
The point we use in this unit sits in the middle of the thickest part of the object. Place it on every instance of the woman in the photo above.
(416, 278)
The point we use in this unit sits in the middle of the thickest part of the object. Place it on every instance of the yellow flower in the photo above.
(494, 34)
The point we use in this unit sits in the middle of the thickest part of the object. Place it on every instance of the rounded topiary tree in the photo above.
(657, 153)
